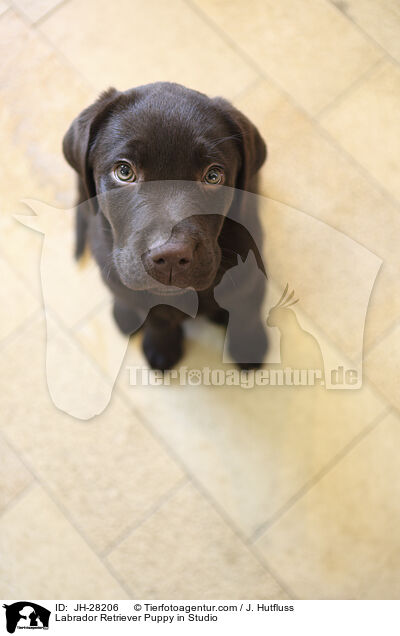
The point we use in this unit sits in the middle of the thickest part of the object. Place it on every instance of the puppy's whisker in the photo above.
(107, 267)
(216, 142)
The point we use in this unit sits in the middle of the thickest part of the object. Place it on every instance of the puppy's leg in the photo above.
(163, 337)
(163, 348)
(247, 342)
(247, 338)
(219, 316)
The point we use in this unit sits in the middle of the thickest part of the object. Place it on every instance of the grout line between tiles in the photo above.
(349, 89)
(271, 571)
(249, 87)
(183, 481)
(382, 336)
(50, 12)
(378, 391)
(64, 511)
(18, 496)
(360, 29)
(9, 8)
(63, 58)
(283, 91)
(348, 448)
(90, 314)
(21, 328)
(125, 586)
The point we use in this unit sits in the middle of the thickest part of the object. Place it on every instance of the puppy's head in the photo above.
(162, 164)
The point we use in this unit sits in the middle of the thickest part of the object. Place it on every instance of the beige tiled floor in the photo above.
(3, 6)
(329, 54)
(36, 9)
(194, 554)
(11, 465)
(153, 39)
(331, 544)
(380, 20)
(366, 122)
(196, 491)
(56, 559)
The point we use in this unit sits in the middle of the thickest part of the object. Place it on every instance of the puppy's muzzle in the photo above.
(173, 262)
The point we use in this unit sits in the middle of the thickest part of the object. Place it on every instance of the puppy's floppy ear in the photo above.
(80, 137)
(252, 147)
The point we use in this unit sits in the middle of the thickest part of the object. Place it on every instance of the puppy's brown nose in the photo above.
(174, 255)
(167, 263)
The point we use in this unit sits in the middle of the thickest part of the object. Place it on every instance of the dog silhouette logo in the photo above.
(26, 615)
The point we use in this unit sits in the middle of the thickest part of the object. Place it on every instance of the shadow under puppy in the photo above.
(163, 173)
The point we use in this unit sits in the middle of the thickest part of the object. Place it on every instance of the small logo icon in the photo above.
(298, 347)
(26, 615)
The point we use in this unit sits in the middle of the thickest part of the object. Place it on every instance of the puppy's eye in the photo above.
(214, 175)
(123, 171)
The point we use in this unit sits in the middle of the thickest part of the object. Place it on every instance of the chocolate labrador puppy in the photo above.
(163, 176)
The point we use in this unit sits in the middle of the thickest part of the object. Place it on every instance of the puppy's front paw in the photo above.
(163, 349)
(220, 317)
(248, 366)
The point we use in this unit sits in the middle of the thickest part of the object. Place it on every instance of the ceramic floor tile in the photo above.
(36, 111)
(252, 449)
(36, 9)
(167, 43)
(3, 6)
(185, 550)
(382, 366)
(304, 169)
(366, 122)
(43, 556)
(282, 39)
(107, 473)
(341, 540)
(380, 20)
(15, 299)
(14, 477)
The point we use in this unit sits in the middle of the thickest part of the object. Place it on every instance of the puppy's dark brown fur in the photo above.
(169, 135)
